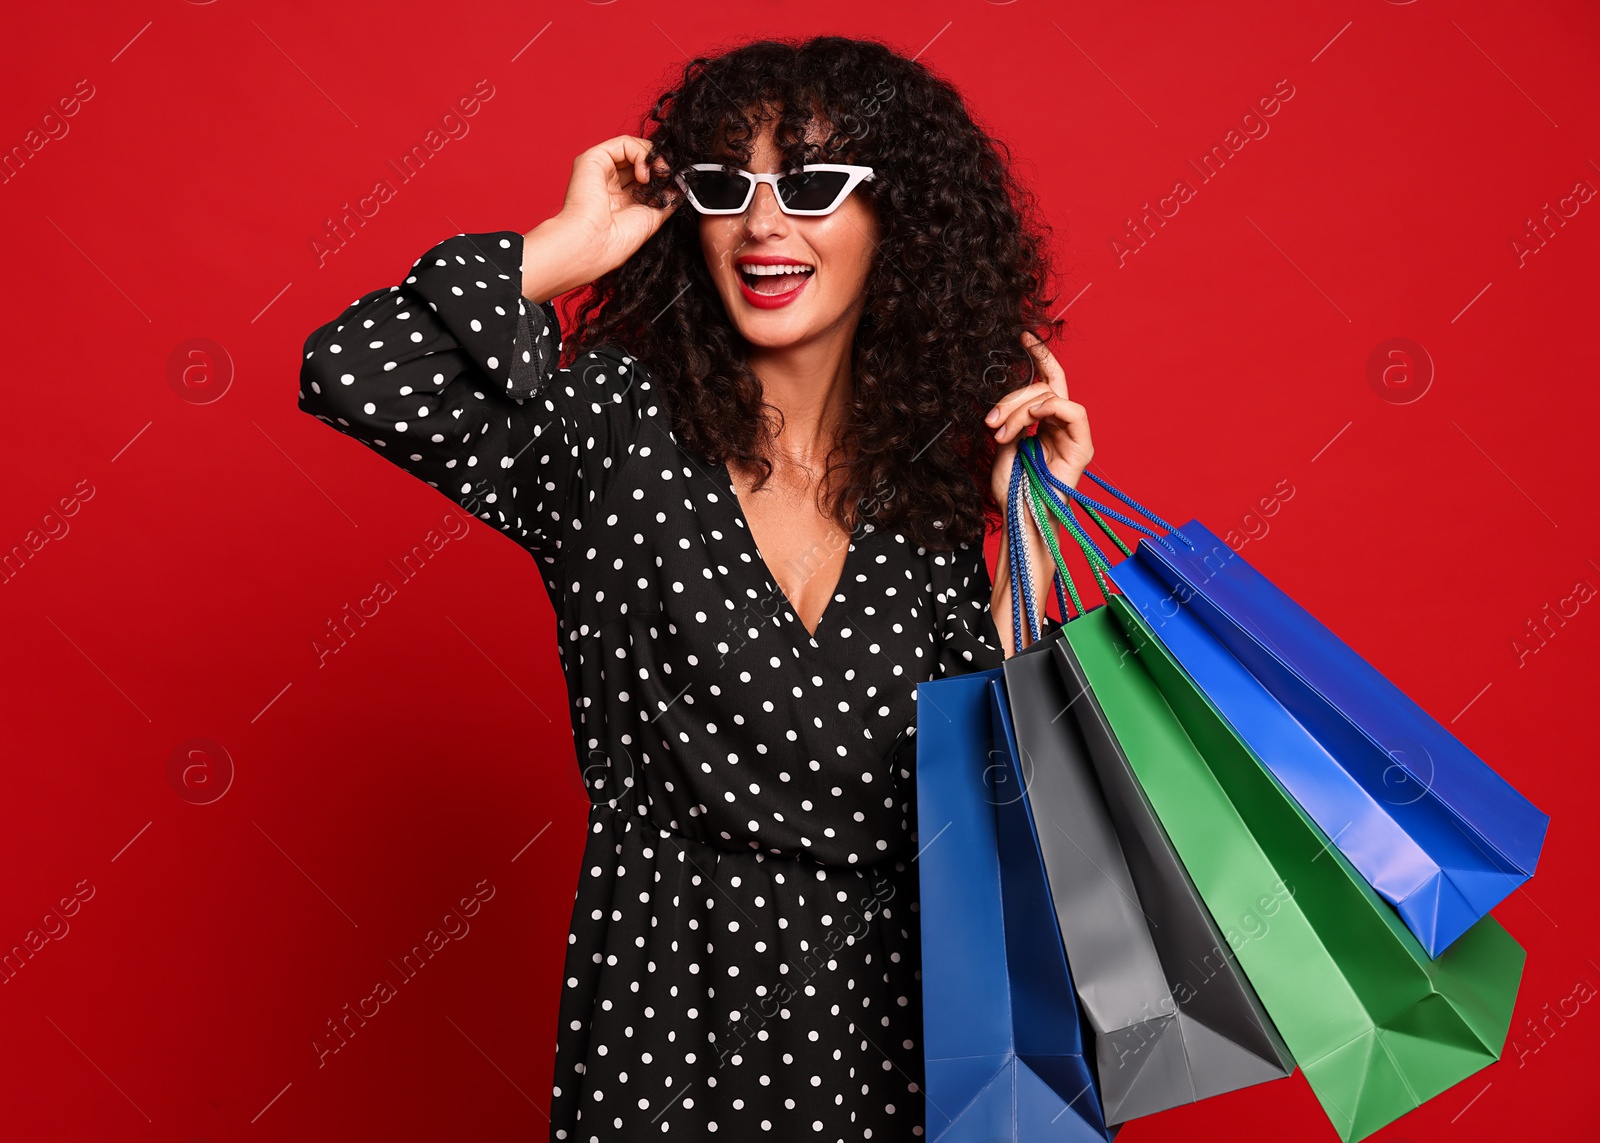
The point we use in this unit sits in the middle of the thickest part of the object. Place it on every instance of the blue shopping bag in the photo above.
(1003, 1044)
(1431, 827)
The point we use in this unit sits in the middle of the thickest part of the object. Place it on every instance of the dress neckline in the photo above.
(835, 593)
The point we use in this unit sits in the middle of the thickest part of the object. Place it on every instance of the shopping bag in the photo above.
(1432, 828)
(1377, 1025)
(1420, 860)
(1444, 836)
(1136, 933)
(1004, 1056)
(1134, 928)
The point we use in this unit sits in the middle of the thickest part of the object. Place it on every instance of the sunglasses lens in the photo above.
(718, 190)
(812, 190)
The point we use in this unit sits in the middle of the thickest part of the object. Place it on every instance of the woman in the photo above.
(761, 525)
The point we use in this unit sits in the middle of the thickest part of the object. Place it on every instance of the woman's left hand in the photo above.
(1063, 424)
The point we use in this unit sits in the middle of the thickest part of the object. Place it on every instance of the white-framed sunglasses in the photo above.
(816, 188)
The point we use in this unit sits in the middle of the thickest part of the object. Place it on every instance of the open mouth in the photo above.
(771, 281)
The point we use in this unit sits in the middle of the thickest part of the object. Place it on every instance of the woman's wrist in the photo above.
(1000, 596)
(553, 260)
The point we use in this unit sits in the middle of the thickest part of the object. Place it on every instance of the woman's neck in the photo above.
(810, 384)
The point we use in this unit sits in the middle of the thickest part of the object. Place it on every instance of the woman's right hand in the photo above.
(601, 224)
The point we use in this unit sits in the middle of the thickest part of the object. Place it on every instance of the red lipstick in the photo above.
(771, 301)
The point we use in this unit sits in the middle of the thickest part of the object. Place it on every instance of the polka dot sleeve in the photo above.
(963, 586)
(454, 376)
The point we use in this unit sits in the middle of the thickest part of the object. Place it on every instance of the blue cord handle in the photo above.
(1031, 442)
(1021, 581)
(1022, 589)
(1030, 455)
(1023, 593)
(1043, 469)
(1042, 520)
(1033, 612)
(1064, 507)
(1128, 500)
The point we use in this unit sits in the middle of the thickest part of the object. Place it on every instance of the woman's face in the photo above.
(838, 248)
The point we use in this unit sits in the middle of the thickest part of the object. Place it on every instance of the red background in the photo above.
(217, 529)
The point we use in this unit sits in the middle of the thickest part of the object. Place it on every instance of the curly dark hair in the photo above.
(959, 274)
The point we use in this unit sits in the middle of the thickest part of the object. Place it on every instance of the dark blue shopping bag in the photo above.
(1431, 827)
(1004, 1049)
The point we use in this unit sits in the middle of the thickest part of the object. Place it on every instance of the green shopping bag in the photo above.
(1377, 1027)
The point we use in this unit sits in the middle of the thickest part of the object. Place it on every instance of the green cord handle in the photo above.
(1038, 508)
(1106, 528)
(1097, 562)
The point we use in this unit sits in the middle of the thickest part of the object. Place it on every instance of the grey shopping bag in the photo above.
(1173, 1017)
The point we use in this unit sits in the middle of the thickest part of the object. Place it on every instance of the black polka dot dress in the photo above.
(744, 956)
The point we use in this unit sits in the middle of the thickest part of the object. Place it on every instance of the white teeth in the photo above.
(767, 271)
